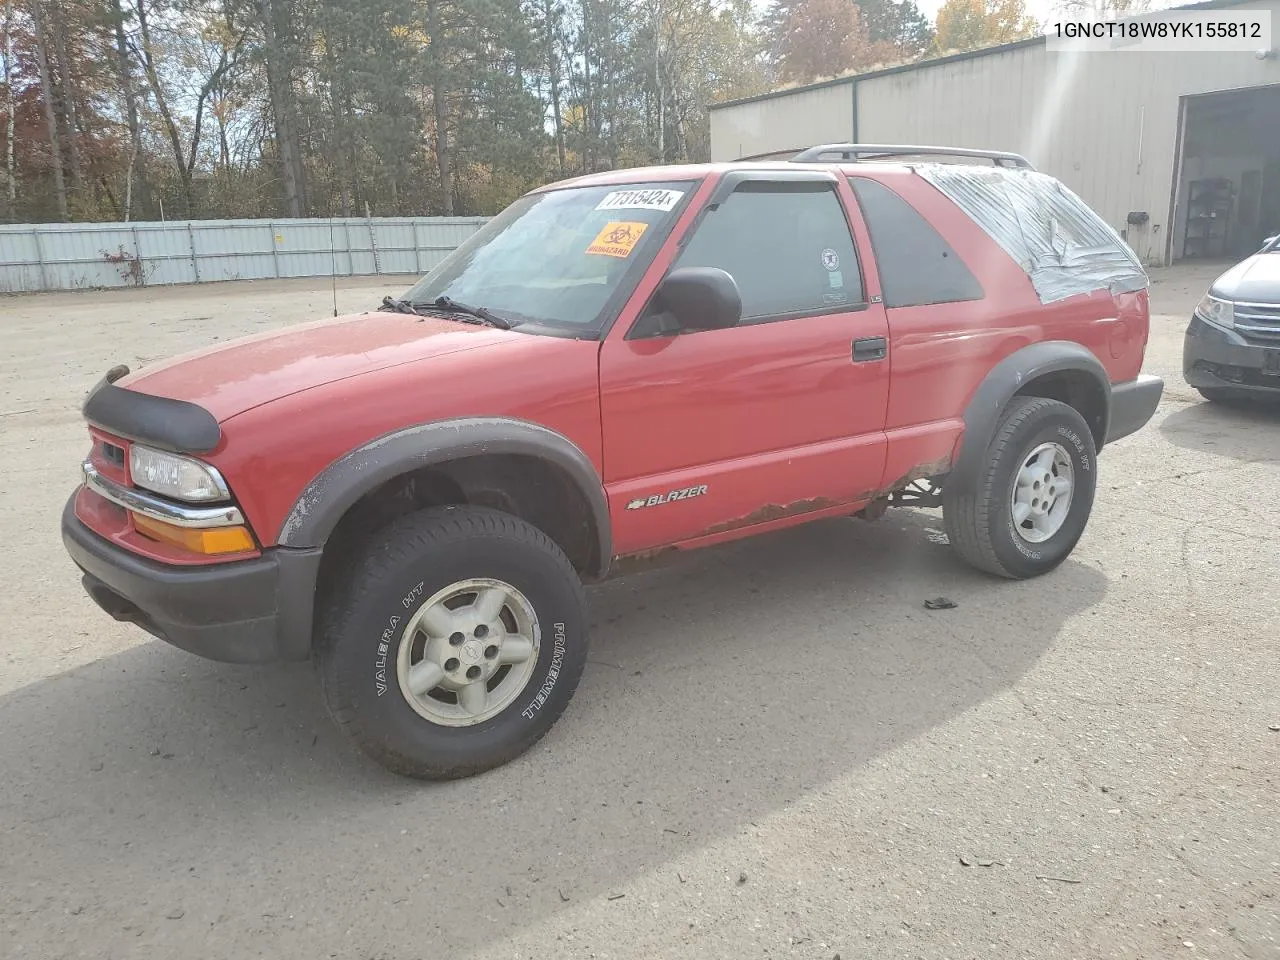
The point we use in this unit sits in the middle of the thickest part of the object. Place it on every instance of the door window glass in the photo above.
(789, 250)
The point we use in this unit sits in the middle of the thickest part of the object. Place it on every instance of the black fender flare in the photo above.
(340, 485)
(1010, 376)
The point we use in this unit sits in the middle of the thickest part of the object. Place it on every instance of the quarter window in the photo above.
(917, 266)
(788, 247)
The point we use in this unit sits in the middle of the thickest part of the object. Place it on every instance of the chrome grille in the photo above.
(1259, 322)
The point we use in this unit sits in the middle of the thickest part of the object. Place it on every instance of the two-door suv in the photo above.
(616, 366)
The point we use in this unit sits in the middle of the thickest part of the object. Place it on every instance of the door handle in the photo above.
(869, 348)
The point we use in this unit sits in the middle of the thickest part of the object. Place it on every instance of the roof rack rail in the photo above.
(788, 154)
(880, 151)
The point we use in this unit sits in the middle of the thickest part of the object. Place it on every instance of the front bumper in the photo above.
(242, 611)
(1133, 403)
(1218, 359)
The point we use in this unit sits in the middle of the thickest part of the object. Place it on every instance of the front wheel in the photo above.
(456, 644)
(1025, 512)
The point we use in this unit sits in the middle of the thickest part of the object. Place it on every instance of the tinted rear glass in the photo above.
(917, 266)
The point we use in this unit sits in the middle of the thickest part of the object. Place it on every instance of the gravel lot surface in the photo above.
(775, 750)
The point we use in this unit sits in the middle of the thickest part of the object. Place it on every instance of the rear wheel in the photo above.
(1026, 510)
(457, 643)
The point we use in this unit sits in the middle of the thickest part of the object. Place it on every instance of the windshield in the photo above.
(559, 258)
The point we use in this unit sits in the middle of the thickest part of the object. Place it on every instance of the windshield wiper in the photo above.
(392, 305)
(480, 313)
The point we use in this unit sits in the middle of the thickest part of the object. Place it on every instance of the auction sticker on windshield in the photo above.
(663, 200)
(617, 239)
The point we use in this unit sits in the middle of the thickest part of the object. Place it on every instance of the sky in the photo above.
(1041, 10)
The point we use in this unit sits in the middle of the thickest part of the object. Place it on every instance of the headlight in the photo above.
(178, 477)
(1216, 311)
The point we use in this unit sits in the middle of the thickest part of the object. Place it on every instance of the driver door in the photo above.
(714, 431)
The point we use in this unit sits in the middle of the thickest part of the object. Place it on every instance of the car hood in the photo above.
(236, 376)
(1256, 280)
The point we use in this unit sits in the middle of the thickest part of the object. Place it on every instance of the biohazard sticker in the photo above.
(618, 238)
(664, 200)
(830, 259)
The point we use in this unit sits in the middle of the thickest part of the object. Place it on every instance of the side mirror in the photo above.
(700, 298)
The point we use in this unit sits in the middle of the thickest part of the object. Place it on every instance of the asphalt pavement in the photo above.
(775, 751)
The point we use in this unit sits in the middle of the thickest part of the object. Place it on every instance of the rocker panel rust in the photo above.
(921, 471)
(770, 512)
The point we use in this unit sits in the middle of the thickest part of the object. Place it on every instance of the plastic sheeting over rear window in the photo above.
(1065, 248)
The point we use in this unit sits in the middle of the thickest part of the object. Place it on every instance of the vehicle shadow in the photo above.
(156, 800)
(1242, 431)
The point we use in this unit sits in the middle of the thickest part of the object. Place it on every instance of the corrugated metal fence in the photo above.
(74, 256)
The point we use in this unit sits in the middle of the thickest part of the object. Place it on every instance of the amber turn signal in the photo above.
(206, 540)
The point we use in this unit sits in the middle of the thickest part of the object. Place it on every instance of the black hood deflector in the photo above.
(162, 422)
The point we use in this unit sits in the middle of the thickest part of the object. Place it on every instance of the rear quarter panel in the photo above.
(940, 353)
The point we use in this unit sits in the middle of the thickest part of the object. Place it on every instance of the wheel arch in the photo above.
(1056, 369)
(447, 455)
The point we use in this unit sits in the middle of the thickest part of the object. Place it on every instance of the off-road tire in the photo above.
(407, 563)
(976, 510)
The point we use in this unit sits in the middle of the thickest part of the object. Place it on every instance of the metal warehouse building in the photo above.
(1178, 151)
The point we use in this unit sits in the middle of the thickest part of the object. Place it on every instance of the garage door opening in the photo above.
(1228, 186)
